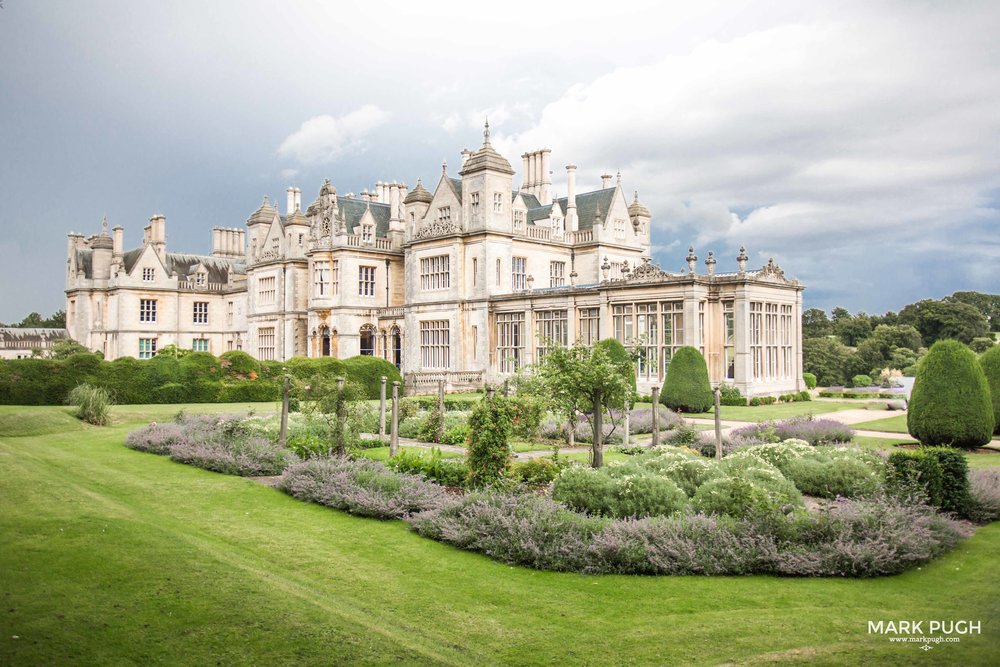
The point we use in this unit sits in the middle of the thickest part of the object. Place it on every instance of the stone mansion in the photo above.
(464, 283)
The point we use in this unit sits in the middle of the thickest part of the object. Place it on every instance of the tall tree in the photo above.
(828, 359)
(588, 379)
(987, 304)
(815, 324)
(937, 320)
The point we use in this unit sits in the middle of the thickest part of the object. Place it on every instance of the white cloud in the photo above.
(322, 139)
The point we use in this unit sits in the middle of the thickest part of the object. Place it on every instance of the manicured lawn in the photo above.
(382, 453)
(896, 424)
(110, 556)
(785, 410)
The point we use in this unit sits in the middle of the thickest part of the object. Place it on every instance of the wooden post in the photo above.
(394, 437)
(597, 460)
(655, 395)
(628, 425)
(381, 408)
(718, 424)
(341, 434)
(440, 430)
(283, 434)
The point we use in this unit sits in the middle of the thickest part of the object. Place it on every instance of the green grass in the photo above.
(111, 556)
(976, 461)
(761, 413)
(382, 453)
(895, 424)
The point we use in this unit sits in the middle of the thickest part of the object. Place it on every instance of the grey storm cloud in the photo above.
(855, 142)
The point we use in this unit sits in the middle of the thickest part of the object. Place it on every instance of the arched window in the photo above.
(325, 346)
(367, 334)
(397, 347)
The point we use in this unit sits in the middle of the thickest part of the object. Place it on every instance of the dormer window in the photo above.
(518, 221)
(444, 214)
(148, 275)
(367, 233)
(619, 228)
(199, 279)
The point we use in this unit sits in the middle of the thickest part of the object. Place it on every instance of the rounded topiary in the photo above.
(687, 387)
(810, 380)
(990, 363)
(950, 403)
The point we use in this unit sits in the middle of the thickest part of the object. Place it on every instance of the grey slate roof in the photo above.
(354, 209)
(530, 200)
(28, 337)
(587, 205)
(183, 264)
(456, 183)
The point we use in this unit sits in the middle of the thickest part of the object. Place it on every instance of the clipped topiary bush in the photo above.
(989, 361)
(950, 403)
(687, 387)
(915, 471)
(489, 441)
(810, 380)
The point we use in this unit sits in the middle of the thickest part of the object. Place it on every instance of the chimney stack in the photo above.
(290, 201)
(119, 239)
(525, 175)
(545, 186)
(298, 199)
(605, 181)
(571, 219)
(466, 154)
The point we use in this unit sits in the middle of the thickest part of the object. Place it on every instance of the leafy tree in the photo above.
(62, 349)
(582, 379)
(853, 330)
(987, 304)
(827, 359)
(936, 320)
(876, 351)
(336, 402)
(490, 427)
(687, 387)
(950, 403)
(990, 363)
(172, 351)
(839, 313)
(32, 320)
(980, 345)
(815, 324)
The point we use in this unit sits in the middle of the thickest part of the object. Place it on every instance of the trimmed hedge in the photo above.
(810, 380)
(990, 363)
(950, 403)
(942, 473)
(687, 387)
(197, 377)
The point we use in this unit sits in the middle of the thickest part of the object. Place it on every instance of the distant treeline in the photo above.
(840, 346)
(194, 377)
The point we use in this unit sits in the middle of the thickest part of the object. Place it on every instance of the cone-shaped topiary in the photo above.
(687, 387)
(990, 361)
(950, 404)
(618, 355)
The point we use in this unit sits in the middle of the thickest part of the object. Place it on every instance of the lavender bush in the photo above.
(640, 422)
(156, 438)
(362, 487)
(250, 457)
(984, 489)
(851, 538)
(811, 430)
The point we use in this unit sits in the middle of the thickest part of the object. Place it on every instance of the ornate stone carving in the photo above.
(436, 228)
(647, 272)
(772, 271)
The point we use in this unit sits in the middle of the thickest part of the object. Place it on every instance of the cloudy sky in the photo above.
(857, 143)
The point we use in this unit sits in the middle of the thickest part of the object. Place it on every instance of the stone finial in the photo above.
(104, 225)
(531, 281)
(605, 268)
(692, 259)
(619, 176)
(444, 166)
(741, 259)
(486, 132)
(625, 269)
(710, 262)
(573, 276)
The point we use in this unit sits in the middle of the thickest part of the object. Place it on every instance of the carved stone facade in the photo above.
(465, 283)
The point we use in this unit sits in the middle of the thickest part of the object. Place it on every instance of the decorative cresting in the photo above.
(436, 228)
(647, 272)
(772, 272)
